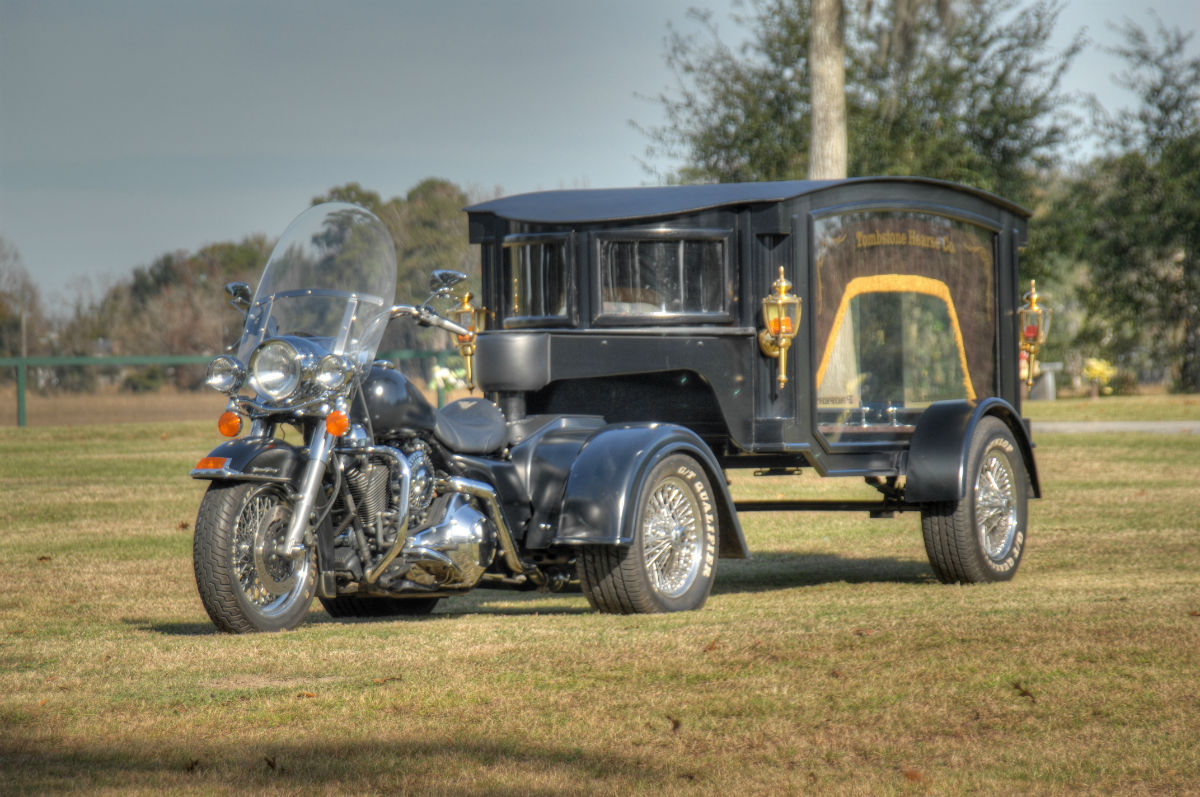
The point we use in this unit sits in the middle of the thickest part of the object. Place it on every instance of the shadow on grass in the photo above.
(477, 766)
(766, 572)
(170, 629)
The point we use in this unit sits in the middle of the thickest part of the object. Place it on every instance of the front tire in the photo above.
(671, 564)
(244, 582)
(981, 537)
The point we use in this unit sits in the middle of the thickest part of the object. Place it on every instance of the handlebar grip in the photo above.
(427, 317)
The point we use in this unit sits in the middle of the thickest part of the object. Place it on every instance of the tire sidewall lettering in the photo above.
(707, 516)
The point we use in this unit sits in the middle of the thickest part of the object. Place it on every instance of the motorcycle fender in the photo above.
(937, 454)
(252, 459)
(600, 494)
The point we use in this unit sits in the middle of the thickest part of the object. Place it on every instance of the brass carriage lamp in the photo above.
(472, 319)
(1034, 320)
(781, 317)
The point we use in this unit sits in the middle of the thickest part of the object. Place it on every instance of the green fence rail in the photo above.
(23, 364)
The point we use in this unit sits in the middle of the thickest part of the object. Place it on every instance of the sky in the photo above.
(132, 128)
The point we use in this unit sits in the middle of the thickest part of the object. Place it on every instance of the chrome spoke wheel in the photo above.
(996, 505)
(268, 579)
(672, 546)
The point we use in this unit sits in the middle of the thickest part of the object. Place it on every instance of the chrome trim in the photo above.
(401, 477)
(219, 474)
(318, 456)
(492, 506)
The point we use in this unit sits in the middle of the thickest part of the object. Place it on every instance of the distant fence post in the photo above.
(21, 375)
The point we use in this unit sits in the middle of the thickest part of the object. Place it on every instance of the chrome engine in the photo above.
(409, 538)
(456, 550)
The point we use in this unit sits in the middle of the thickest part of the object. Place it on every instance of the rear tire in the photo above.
(671, 564)
(356, 606)
(244, 583)
(981, 537)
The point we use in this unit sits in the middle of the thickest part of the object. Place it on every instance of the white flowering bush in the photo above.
(448, 379)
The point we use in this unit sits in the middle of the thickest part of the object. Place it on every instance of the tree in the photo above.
(429, 231)
(965, 90)
(826, 55)
(21, 319)
(1142, 206)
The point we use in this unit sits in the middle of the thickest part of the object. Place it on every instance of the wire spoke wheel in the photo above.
(996, 505)
(673, 546)
(267, 578)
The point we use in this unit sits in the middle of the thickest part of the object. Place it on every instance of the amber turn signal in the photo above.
(212, 463)
(337, 423)
(229, 424)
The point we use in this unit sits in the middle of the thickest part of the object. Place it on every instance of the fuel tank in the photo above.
(395, 405)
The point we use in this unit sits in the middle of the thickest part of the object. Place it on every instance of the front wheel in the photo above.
(244, 581)
(671, 563)
(981, 537)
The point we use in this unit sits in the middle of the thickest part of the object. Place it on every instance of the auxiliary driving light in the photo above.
(225, 374)
(333, 372)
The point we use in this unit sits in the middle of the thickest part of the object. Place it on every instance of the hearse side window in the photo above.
(674, 274)
(537, 274)
(905, 311)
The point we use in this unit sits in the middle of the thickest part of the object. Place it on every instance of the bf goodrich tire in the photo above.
(981, 537)
(671, 564)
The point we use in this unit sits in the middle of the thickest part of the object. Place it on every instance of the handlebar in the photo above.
(427, 316)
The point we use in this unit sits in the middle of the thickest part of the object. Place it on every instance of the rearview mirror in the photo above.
(239, 295)
(442, 280)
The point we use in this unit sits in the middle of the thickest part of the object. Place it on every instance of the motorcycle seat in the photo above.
(471, 426)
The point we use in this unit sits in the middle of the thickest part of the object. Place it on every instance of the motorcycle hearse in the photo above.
(632, 346)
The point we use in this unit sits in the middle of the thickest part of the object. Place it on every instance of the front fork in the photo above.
(319, 452)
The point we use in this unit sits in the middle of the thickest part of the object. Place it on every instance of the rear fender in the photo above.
(600, 494)
(252, 459)
(937, 455)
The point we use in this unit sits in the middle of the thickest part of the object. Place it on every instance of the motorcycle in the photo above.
(374, 507)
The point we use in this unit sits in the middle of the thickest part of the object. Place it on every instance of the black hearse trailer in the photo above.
(864, 327)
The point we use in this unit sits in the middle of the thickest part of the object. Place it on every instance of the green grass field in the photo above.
(830, 662)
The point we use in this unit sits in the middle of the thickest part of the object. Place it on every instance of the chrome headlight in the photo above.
(225, 374)
(334, 372)
(275, 369)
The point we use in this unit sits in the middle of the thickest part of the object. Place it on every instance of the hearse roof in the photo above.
(620, 204)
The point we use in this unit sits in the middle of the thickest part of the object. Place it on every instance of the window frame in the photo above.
(681, 235)
(519, 321)
(838, 442)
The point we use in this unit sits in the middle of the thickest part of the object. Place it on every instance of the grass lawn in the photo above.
(830, 662)
(1154, 407)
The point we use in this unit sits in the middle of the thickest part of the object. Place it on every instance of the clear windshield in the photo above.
(331, 277)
